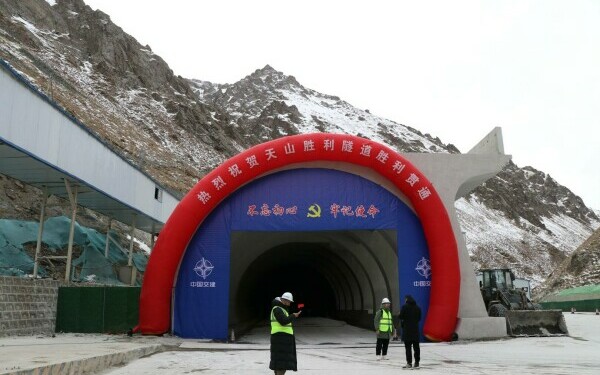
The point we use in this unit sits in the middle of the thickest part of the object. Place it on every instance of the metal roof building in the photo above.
(583, 298)
(44, 146)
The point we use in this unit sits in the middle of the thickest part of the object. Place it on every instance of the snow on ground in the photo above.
(40, 34)
(28, 25)
(495, 240)
(141, 244)
(568, 233)
(345, 118)
(475, 215)
(331, 347)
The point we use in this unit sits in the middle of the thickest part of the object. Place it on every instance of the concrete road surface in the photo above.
(332, 347)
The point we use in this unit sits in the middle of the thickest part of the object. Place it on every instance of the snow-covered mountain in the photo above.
(271, 104)
(120, 89)
(178, 129)
(582, 267)
(522, 219)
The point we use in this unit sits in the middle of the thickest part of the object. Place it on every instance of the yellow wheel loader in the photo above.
(523, 317)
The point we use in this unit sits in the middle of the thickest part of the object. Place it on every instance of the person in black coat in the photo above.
(283, 344)
(410, 315)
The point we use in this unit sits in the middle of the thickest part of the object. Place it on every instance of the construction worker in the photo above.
(410, 315)
(283, 342)
(384, 329)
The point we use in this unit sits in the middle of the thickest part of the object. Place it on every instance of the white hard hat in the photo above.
(288, 296)
(385, 300)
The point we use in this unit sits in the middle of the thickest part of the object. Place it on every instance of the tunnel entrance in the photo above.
(335, 274)
(302, 183)
(292, 267)
(339, 242)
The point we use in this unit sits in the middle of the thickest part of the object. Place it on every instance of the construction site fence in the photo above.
(101, 309)
(586, 305)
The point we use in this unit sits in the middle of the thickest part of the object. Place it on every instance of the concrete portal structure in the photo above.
(456, 175)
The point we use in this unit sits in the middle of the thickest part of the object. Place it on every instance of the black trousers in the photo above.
(381, 347)
(408, 345)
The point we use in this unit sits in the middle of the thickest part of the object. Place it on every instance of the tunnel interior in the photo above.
(289, 267)
(334, 274)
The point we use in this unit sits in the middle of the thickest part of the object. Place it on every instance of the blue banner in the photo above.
(293, 200)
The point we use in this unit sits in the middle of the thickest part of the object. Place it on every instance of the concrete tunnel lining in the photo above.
(360, 266)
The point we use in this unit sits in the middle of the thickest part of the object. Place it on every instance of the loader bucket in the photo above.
(536, 323)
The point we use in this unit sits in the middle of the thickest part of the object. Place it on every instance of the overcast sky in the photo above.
(454, 69)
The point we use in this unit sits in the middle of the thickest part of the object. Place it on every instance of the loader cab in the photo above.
(494, 283)
(495, 279)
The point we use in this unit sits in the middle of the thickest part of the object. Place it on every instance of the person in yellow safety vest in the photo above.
(384, 329)
(283, 342)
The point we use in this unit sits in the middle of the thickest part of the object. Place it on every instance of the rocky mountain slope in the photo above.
(582, 267)
(535, 221)
(268, 104)
(120, 89)
(177, 129)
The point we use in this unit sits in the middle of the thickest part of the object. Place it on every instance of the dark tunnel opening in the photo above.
(289, 267)
(335, 274)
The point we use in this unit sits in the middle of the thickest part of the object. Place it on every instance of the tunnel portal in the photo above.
(319, 182)
(339, 242)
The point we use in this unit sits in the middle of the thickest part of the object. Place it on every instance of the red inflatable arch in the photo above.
(160, 275)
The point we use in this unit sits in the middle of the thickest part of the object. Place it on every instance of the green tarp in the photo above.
(583, 298)
(91, 265)
(580, 305)
(586, 289)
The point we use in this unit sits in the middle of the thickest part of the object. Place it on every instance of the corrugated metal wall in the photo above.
(97, 309)
(32, 124)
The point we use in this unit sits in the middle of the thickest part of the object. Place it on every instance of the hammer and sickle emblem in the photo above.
(314, 211)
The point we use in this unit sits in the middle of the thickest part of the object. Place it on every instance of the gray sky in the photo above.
(454, 69)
